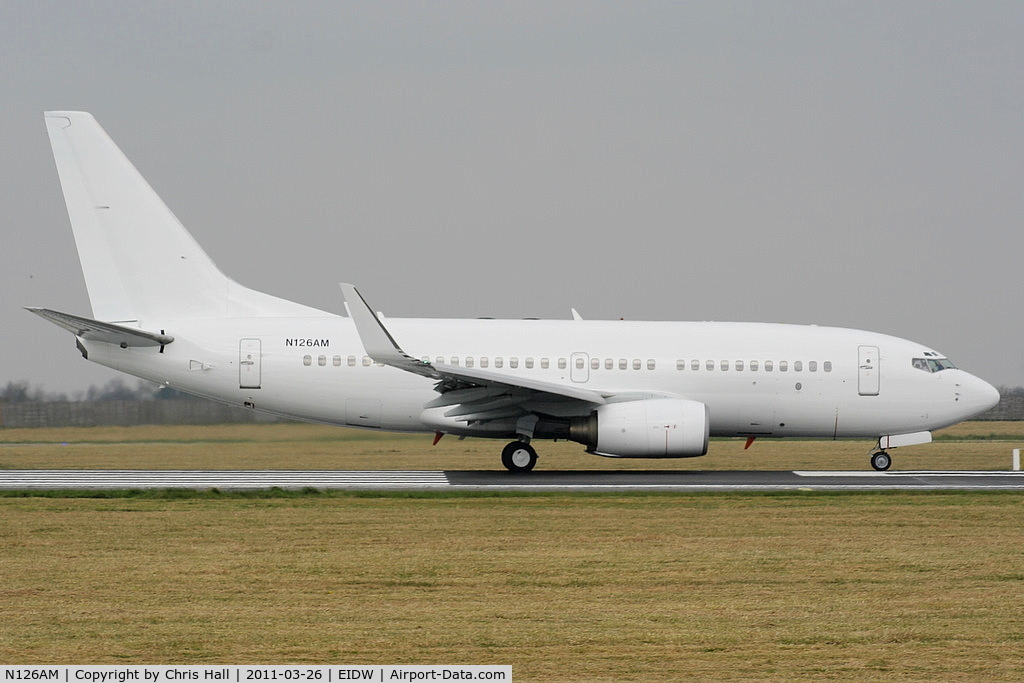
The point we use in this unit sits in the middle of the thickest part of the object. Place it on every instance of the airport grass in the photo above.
(970, 446)
(588, 587)
(563, 587)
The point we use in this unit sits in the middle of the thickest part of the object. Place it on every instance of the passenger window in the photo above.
(484, 362)
(725, 366)
(440, 360)
(545, 363)
(828, 366)
(680, 365)
(595, 363)
(753, 366)
(768, 366)
(454, 361)
(739, 366)
(499, 362)
(798, 366)
(709, 365)
(307, 360)
(579, 364)
(562, 364)
(529, 363)
(351, 361)
(609, 363)
(513, 362)
(469, 362)
(783, 365)
(367, 362)
(636, 364)
(812, 365)
(695, 365)
(337, 361)
(651, 364)
(623, 364)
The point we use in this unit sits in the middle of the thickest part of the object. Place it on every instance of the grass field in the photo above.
(801, 586)
(969, 446)
(562, 587)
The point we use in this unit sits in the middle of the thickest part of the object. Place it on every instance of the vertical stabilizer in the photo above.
(138, 260)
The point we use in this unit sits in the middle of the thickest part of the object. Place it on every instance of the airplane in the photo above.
(163, 311)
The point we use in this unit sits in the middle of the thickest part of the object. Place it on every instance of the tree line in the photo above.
(114, 390)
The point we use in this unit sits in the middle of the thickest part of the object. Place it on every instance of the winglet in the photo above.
(378, 342)
(383, 348)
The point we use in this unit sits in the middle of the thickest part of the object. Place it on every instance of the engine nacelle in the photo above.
(652, 428)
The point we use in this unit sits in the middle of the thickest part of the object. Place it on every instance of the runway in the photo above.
(455, 480)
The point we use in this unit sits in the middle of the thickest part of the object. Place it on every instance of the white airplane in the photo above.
(161, 310)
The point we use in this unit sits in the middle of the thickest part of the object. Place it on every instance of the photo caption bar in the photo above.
(214, 673)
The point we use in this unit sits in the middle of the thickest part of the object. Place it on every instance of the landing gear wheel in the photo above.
(881, 461)
(518, 456)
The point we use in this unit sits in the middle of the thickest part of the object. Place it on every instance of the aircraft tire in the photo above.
(518, 456)
(881, 461)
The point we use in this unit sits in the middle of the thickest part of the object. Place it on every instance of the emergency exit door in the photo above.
(867, 370)
(250, 363)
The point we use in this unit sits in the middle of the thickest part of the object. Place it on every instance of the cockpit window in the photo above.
(933, 364)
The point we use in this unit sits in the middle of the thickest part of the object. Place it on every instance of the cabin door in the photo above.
(867, 370)
(250, 362)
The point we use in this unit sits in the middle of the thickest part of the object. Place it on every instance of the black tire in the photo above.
(881, 461)
(518, 456)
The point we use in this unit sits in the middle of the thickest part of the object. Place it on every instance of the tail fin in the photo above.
(138, 260)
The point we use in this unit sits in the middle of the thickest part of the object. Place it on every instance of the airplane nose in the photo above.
(982, 395)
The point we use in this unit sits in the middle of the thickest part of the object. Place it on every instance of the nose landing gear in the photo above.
(881, 461)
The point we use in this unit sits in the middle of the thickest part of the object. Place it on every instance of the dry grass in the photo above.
(605, 587)
(794, 586)
(971, 446)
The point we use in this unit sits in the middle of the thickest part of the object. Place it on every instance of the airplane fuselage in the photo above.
(757, 379)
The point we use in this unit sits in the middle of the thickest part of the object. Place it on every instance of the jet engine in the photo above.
(652, 428)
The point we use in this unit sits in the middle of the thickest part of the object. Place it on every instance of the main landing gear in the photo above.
(519, 456)
(881, 461)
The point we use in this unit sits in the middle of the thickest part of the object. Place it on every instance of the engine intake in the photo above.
(652, 428)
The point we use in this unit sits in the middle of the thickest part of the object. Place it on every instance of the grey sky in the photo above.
(856, 164)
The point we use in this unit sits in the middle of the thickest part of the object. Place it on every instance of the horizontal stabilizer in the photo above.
(94, 330)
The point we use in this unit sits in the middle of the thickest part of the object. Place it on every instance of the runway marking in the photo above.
(909, 473)
(219, 479)
(494, 480)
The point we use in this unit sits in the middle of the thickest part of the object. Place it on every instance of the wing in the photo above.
(472, 395)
